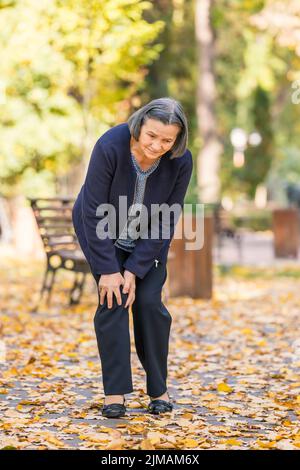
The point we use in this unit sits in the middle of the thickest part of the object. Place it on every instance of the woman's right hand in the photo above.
(109, 285)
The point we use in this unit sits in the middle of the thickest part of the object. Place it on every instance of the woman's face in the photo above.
(157, 138)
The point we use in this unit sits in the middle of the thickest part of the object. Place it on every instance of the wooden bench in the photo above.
(54, 221)
(62, 249)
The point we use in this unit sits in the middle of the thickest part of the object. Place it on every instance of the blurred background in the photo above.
(70, 70)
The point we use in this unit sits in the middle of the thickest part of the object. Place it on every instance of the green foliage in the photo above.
(68, 70)
(258, 159)
(286, 169)
(174, 73)
(258, 220)
(250, 272)
(261, 65)
(7, 3)
(253, 93)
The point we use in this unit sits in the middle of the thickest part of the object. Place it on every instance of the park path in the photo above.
(233, 368)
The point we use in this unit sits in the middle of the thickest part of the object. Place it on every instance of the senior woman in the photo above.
(145, 159)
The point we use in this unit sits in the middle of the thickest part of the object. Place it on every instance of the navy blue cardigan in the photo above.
(111, 174)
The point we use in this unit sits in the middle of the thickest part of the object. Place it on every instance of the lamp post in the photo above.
(240, 140)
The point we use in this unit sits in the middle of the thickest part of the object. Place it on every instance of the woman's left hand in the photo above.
(129, 287)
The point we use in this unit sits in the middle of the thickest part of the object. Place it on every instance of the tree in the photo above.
(258, 159)
(69, 70)
(173, 72)
(208, 162)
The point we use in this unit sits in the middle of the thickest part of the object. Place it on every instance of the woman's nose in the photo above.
(157, 147)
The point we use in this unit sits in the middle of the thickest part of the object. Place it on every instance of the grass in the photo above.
(244, 272)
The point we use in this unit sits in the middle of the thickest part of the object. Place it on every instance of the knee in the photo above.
(97, 316)
(146, 300)
(151, 303)
(102, 309)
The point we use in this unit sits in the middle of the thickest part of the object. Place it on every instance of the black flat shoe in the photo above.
(114, 410)
(158, 406)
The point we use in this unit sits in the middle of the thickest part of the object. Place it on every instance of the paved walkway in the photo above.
(257, 249)
(233, 367)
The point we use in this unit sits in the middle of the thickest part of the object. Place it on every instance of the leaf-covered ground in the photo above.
(233, 368)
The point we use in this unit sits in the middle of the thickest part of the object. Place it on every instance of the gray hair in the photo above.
(167, 111)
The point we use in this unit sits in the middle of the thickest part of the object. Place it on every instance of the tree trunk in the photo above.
(72, 182)
(75, 178)
(5, 223)
(25, 239)
(208, 161)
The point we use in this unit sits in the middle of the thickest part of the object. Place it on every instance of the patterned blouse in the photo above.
(127, 239)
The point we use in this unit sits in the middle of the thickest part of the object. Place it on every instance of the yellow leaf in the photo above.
(209, 396)
(266, 445)
(190, 442)
(224, 387)
(296, 443)
(262, 342)
(95, 437)
(232, 442)
(116, 444)
(54, 441)
(247, 331)
(224, 408)
(154, 437)
(146, 444)
(184, 401)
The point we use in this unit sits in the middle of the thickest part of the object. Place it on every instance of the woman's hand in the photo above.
(109, 284)
(129, 287)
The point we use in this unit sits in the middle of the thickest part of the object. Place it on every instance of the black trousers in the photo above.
(152, 323)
